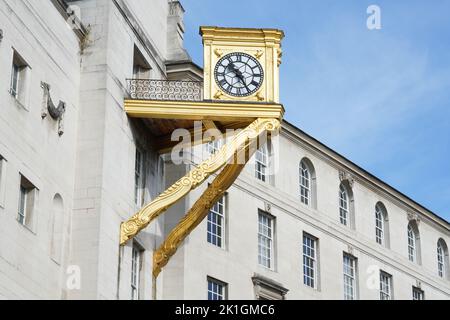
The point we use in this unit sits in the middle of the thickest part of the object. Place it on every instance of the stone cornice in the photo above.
(360, 175)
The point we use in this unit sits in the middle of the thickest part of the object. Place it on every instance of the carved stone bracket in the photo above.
(414, 217)
(345, 176)
(48, 108)
(193, 179)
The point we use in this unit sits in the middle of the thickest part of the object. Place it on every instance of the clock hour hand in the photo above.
(238, 73)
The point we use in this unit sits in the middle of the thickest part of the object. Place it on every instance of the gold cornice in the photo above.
(215, 111)
(211, 33)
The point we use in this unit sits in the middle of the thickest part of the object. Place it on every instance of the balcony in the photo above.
(165, 90)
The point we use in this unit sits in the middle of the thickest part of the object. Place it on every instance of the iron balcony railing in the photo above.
(169, 90)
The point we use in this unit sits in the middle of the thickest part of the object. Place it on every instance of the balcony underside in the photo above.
(163, 117)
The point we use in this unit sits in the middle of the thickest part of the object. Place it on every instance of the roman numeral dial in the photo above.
(239, 74)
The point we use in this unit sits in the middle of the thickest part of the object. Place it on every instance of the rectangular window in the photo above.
(27, 195)
(19, 75)
(349, 277)
(418, 294)
(2, 181)
(310, 261)
(385, 286)
(139, 179)
(217, 290)
(216, 224)
(265, 239)
(136, 266)
(261, 164)
(212, 147)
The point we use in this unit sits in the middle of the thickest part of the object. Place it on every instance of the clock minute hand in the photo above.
(238, 73)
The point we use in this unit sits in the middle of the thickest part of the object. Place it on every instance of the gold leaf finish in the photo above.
(147, 214)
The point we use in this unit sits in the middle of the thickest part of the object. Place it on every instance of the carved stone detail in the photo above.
(413, 217)
(345, 176)
(49, 108)
(193, 179)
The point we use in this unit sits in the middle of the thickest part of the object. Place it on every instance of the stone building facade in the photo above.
(73, 166)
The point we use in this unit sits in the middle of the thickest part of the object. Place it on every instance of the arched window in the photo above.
(307, 182)
(381, 225)
(57, 228)
(442, 259)
(344, 211)
(413, 242)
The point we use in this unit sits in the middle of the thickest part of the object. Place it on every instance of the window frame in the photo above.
(417, 294)
(353, 278)
(412, 244)
(262, 163)
(305, 183)
(219, 211)
(136, 268)
(211, 294)
(269, 236)
(344, 211)
(310, 261)
(139, 177)
(386, 283)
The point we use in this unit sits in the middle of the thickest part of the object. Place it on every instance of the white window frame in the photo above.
(344, 206)
(27, 202)
(23, 198)
(217, 290)
(380, 225)
(305, 183)
(262, 163)
(139, 177)
(2, 181)
(19, 79)
(417, 294)
(212, 147)
(216, 224)
(136, 267)
(266, 233)
(441, 260)
(15, 78)
(412, 245)
(350, 274)
(385, 286)
(310, 254)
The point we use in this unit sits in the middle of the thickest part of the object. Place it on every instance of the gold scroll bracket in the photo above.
(194, 178)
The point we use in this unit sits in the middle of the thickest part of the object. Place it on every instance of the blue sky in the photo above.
(381, 98)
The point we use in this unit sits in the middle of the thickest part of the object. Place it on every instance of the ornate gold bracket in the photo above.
(193, 179)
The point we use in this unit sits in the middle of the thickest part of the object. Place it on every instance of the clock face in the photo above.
(239, 74)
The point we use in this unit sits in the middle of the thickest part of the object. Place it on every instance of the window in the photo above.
(265, 239)
(349, 277)
(2, 181)
(385, 286)
(136, 266)
(212, 147)
(216, 224)
(139, 179)
(305, 184)
(310, 261)
(413, 242)
(442, 259)
(418, 294)
(262, 163)
(141, 68)
(27, 195)
(19, 78)
(343, 205)
(216, 289)
(381, 225)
